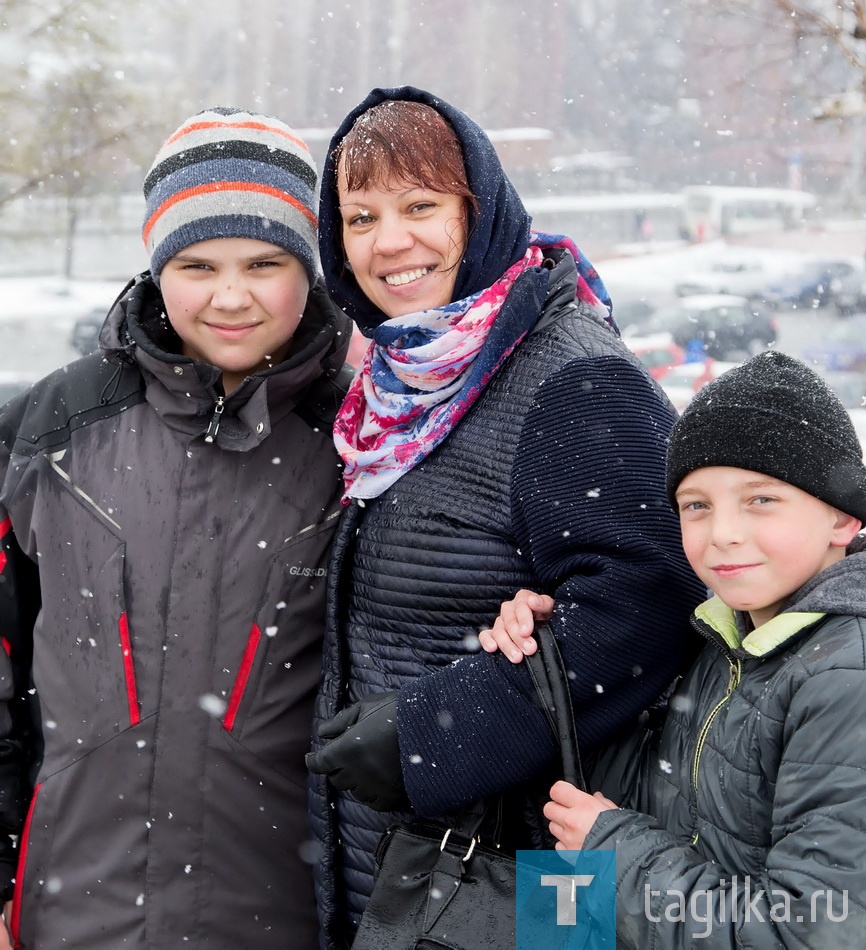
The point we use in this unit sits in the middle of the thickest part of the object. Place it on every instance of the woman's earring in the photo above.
(348, 267)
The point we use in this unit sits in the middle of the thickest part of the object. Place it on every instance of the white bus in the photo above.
(714, 211)
(608, 218)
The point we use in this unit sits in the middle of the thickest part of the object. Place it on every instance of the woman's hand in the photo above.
(572, 813)
(513, 628)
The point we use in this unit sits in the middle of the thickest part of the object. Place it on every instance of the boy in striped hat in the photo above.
(231, 191)
(166, 511)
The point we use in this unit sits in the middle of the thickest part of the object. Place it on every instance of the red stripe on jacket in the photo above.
(242, 677)
(129, 671)
(5, 528)
(23, 843)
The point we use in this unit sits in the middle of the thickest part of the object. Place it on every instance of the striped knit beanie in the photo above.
(227, 173)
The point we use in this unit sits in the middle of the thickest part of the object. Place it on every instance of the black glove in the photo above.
(363, 756)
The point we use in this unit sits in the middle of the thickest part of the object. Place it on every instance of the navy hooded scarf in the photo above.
(498, 236)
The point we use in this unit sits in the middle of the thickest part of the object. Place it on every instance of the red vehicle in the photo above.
(685, 380)
(658, 353)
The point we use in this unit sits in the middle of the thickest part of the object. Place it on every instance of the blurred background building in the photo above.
(582, 97)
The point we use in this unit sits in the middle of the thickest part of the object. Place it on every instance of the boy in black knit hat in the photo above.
(744, 820)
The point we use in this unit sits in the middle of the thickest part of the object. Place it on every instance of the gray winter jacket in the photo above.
(750, 829)
(162, 604)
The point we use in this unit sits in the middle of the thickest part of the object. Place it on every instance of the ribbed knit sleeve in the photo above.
(589, 513)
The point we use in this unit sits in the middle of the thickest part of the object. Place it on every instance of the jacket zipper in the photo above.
(733, 681)
(214, 426)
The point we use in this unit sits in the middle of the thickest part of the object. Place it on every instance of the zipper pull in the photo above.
(214, 426)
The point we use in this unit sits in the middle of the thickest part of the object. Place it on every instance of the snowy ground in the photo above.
(36, 318)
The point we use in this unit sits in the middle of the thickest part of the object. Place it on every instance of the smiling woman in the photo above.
(498, 435)
(404, 216)
(404, 245)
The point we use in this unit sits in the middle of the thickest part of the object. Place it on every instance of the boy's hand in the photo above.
(512, 630)
(572, 813)
(5, 937)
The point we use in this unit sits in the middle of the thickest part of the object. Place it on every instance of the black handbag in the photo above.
(442, 886)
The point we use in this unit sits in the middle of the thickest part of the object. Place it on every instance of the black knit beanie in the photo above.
(775, 416)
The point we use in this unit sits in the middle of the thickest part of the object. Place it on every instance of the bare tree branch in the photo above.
(846, 32)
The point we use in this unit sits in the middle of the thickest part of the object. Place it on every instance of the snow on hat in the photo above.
(228, 173)
(775, 416)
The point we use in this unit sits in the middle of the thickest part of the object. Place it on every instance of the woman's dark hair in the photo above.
(408, 141)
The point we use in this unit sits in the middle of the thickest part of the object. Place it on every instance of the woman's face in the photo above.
(404, 244)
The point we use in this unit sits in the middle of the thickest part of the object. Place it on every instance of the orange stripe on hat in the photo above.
(222, 186)
(257, 126)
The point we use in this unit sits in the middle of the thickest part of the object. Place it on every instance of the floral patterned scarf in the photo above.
(423, 371)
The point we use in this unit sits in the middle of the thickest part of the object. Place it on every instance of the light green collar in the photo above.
(760, 641)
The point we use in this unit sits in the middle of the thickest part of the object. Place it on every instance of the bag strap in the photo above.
(550, 678)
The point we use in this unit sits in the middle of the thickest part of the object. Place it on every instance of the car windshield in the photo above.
(669, 317)
(811, 271)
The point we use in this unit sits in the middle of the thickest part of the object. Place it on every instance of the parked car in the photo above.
(85, 331)
(849, 292)
(658, 353)
(683, 381)
(843, 346)
(742, 278)
(809, 286)
(722, 326)
(632, 314)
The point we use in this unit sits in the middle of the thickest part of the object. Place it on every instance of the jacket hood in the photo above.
(184, 390)
(838, 590)
(498, 236)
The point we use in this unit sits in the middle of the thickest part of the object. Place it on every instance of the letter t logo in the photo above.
(566, 904)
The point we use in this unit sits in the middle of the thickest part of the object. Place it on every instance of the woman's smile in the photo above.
(404, 244)
(406, 277)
